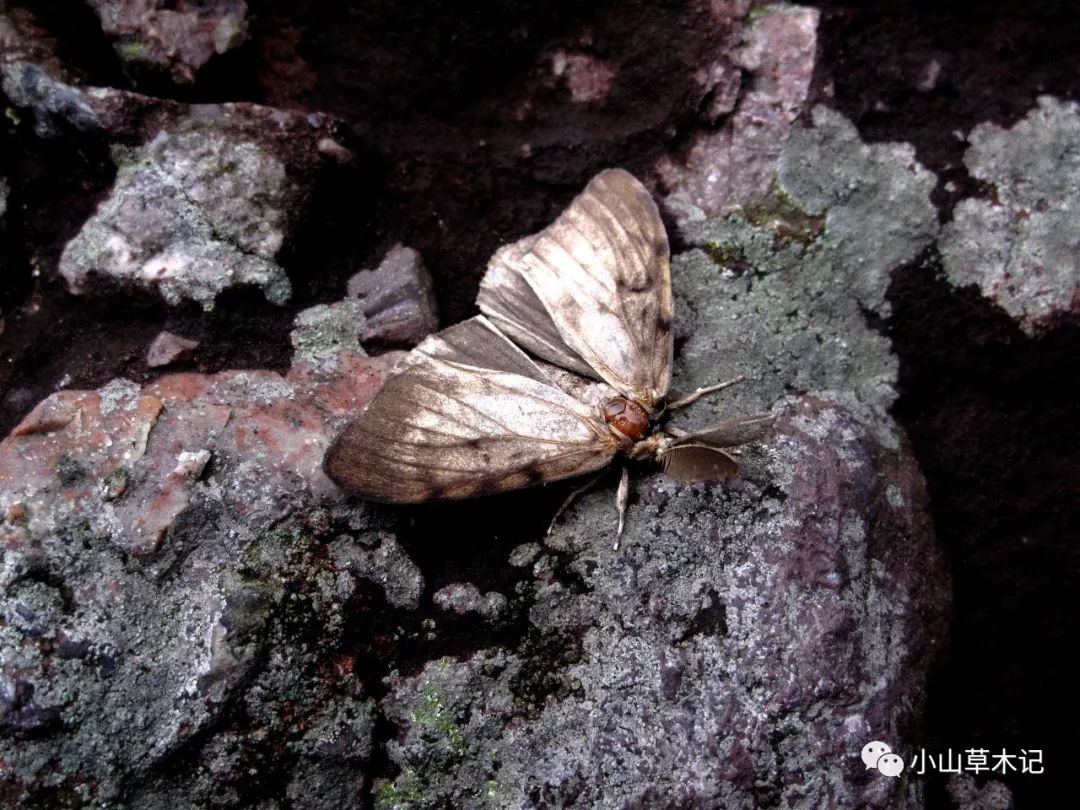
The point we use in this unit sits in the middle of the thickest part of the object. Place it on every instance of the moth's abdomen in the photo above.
(627, 417)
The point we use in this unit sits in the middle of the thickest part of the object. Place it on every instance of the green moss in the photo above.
(430, 711)
(777, 212)
(728, 256)
(402, 793)
(132, 51)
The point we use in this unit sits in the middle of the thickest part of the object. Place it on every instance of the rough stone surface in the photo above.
(176, 562)
(736, 163)
(190, 214)
(22, 39)
(176, 37)
(778, 290)
(157, 570)
(967, 795)
(322, 331)
(168, 348)
(53, 103)
(397, 299)
(587, 78)
(205, 196)
(1019, 245)
(464, 597)
(738, 652)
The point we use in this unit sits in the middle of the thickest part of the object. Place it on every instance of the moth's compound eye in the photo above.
(627, 417)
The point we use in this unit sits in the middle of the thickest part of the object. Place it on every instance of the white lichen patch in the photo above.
(190, 214)
(1020, 247)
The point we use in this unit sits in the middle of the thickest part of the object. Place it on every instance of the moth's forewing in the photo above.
(698, 462)
(508, 300)
(600, 275)
(469, 414)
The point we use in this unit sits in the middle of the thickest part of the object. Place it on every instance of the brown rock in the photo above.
(397, 299)
(168, 348)
(124, 459)
(176, 37)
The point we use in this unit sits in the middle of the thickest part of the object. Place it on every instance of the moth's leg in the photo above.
(622, 497)
(696, 395)
(573, 496)
(674, 432)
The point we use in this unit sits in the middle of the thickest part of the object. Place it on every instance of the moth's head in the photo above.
(626, 417)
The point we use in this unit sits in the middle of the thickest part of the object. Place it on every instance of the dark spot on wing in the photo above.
(663, 324)
(623, 284)
(533, 475)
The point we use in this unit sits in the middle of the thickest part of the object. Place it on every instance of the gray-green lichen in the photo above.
(190, 214)
(779, 290)
(322, 331)
(1020, 246)
(731, 650)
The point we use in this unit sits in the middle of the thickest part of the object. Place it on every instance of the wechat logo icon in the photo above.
(878, 755)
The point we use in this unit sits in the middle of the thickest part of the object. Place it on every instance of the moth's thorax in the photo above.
(626, 417)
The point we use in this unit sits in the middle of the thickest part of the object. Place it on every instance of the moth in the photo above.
(567, 369)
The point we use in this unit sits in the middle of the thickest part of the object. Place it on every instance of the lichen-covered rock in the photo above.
(168, 348)
(748, 640)
(176, 37)
(205, 196)
(190, 214)
(325, 330)
(779, 290)
(157, 559)
(737, 653)
(736, 163)
(1019, 246)
(464, 597)
(397, 299)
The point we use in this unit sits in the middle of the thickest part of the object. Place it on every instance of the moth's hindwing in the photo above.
(593, 289)
(698, 462)
(701, 456)
(469, 414)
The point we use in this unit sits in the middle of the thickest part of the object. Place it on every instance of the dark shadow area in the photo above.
(61, 341)
(477, 141)
(989, 409)
(995, 423)
(922, 71)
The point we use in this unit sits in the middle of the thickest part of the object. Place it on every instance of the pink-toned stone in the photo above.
(125, 460)
(721, 81)
(737, 163)
(177, 36)
(587, 78)
(168, 348)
